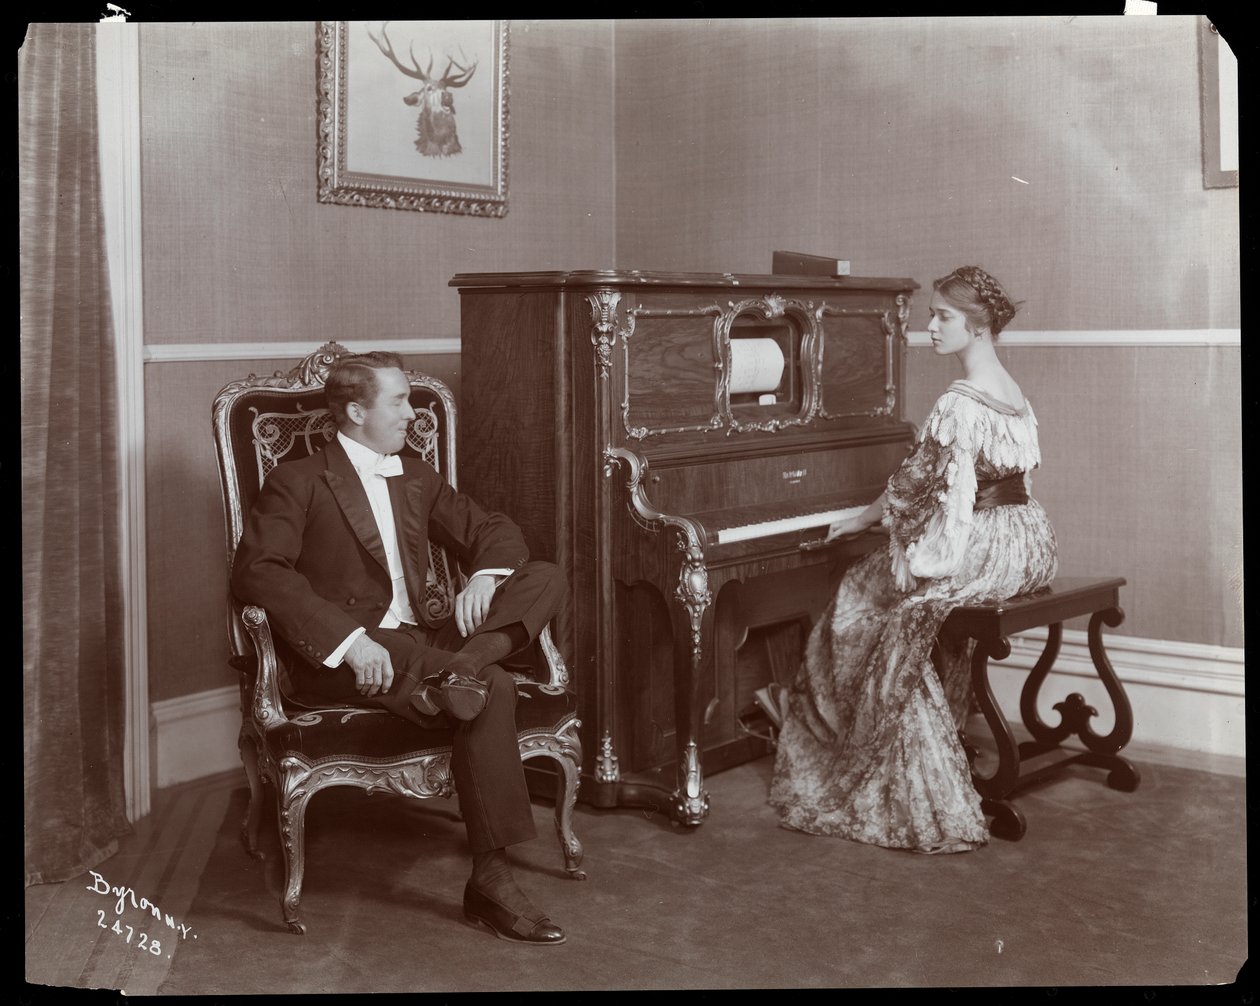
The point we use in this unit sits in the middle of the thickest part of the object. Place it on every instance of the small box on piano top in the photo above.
(788, 263)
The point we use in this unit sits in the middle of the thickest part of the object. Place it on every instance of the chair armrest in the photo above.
(557, 672)
(266, 709)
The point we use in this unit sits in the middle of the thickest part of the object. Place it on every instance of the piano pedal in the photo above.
(770, 737)
(771, 702)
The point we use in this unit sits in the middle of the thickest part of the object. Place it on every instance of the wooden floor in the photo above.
(1107, 889)
(162, 860)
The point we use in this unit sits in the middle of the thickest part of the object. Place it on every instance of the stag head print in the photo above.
(435, 127)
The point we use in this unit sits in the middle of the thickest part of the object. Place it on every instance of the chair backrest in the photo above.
(262, 422)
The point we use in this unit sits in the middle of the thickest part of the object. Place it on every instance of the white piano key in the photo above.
(764, 529)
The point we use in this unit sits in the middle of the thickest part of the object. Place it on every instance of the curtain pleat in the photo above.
(73, 663)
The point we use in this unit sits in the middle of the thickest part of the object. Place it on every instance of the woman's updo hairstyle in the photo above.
(978, 296)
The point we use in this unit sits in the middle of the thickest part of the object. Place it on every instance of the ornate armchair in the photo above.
(298, 750)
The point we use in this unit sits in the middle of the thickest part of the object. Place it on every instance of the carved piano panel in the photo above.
(668, 376)
(671, 440)
(857, 375)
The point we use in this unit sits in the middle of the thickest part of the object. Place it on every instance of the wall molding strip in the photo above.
(200, 352)
(1084, 340)
(118, 113)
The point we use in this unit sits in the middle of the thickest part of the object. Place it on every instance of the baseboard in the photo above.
(1200, 761)
(1187, 698)
(1187, 701)
(195, 735)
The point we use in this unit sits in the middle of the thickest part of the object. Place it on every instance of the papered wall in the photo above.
(705, 146)
(236, 247)
(1061, 154)
(1141, 474)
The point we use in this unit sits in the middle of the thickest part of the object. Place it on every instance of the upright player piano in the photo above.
(672, 441)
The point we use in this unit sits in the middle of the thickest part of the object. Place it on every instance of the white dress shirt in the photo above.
(367, 463)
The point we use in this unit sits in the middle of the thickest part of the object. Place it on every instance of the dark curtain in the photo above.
(72, 644)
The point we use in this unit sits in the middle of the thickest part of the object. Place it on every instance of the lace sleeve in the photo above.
(931, 499)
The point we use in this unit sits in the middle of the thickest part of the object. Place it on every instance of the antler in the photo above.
(448, 80)
(387, 48)
(461, 78)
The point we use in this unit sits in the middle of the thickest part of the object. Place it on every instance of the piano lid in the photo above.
(584, 278)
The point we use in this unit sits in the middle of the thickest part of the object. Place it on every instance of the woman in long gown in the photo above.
(869, 749)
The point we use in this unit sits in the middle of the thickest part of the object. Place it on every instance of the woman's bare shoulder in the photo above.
(1001, 387)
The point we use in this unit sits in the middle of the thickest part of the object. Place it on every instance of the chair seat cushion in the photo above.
(331, 731)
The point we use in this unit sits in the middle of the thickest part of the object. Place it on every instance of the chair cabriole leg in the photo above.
(252, 822)
(292, 835)
(567, 782)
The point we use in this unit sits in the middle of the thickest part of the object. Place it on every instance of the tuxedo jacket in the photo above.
(312, 556)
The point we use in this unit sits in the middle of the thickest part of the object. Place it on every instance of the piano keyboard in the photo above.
(764, 529)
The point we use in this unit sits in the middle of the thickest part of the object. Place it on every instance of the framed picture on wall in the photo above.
(413, 115)
(1218, 101)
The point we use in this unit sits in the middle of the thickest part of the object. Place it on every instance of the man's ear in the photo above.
(354, 412)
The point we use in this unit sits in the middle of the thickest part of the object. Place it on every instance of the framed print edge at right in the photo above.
(1219, 117)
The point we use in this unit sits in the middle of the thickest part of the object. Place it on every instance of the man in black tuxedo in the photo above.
(336, 550)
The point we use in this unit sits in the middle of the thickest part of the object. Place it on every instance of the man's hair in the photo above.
(353, 379)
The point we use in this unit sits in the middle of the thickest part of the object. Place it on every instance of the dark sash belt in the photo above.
(1009, 491)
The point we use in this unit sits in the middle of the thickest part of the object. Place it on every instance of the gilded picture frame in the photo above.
(413, 115)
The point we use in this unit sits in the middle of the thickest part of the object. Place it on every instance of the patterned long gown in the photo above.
(870, 750)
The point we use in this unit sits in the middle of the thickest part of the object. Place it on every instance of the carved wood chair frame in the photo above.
(271, 749)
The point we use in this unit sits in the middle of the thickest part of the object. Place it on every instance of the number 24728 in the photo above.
(144, 943)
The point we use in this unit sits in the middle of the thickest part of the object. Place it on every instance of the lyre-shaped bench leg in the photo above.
(1103, 750)
(1045, 737)
(1008, 821)
(1075, 713)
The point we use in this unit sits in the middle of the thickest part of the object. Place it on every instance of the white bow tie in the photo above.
(385, 466)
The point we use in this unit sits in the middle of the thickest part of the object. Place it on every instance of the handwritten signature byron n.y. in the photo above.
(100, 885)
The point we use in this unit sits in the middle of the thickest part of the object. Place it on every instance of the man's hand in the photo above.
(370, 661)
(472, 604)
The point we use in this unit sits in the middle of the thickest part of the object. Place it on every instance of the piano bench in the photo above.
(990, 625)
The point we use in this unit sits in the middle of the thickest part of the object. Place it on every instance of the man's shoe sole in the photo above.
(458, 703)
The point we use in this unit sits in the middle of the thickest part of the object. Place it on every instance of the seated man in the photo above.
(336, 550)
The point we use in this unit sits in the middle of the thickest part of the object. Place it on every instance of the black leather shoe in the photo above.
(482, 910)
(457, 695)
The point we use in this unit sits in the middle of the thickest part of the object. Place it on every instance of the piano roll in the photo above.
(756, 365)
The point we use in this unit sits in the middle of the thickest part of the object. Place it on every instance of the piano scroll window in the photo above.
(765, 365)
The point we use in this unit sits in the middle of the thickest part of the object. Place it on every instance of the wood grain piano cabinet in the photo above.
(673, 441)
